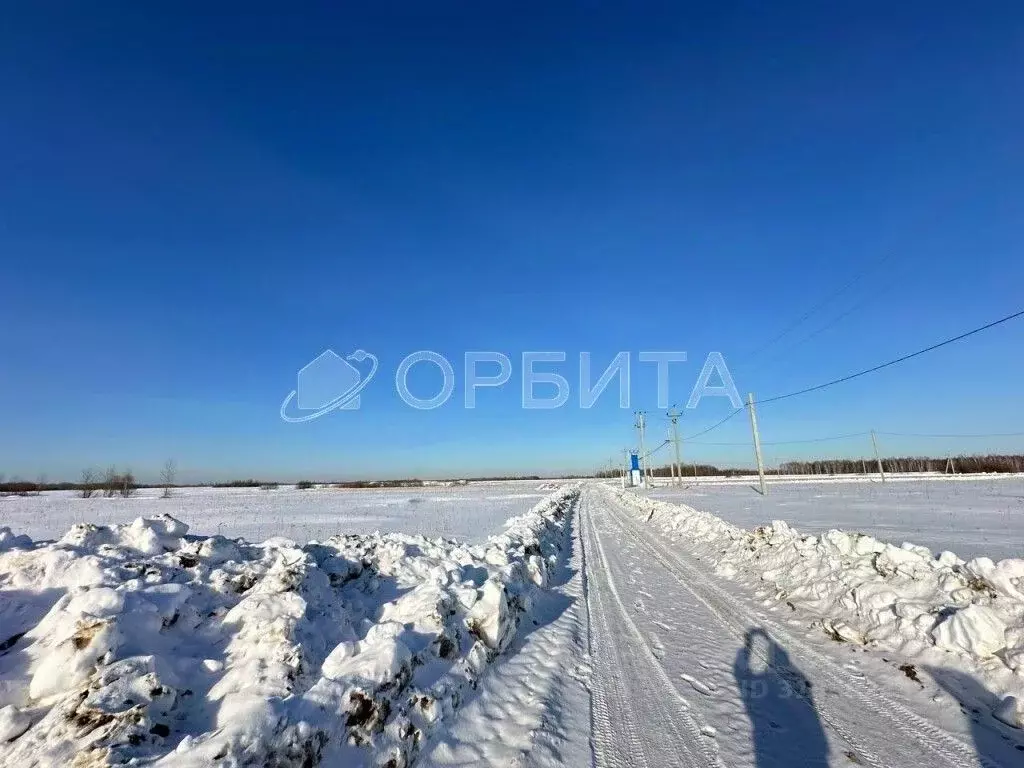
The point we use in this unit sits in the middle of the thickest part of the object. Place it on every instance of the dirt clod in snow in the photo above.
(910, 671)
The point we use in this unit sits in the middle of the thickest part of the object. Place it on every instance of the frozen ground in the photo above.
(685, 641)
(711, 645)
(136, 644)
(470, 512)
(598, 628)
(970, 515)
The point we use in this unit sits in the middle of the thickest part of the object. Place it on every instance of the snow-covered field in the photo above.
(136, 643)
(972, 515)
(469, 512)
(597, 627)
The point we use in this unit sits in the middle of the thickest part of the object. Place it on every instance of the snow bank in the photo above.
(135, 642)
(9, 541)
(868, 591)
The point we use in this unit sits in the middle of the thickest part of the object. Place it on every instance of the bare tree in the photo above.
(167, 477)
(40, 482)
(88, 484)
(127, 483)
(110, 481)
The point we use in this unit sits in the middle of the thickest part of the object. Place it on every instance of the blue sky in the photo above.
(196, 202)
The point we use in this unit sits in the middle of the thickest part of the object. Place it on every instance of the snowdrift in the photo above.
(137, 642)
(867, 591)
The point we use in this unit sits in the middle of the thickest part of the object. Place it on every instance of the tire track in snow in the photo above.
(607, 694)
(632, 694)
(930, 738)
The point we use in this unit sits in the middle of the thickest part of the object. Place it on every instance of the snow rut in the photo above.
(639, 717)
(921, 742)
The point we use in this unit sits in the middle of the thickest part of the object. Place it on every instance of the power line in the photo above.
(782, 353)
(716, 425)
(798, 442)
(655, 450)
(985, 327)
(912, 434)
(839, 292)
(851, 376)
(831, 438)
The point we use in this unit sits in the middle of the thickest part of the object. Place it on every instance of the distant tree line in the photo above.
(108, 483)
(111, 482)
(952, 464)
(688, 470)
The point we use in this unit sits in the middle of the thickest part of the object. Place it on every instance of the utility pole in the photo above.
(673, 416)
(874, 444)
(757, 442)
(641, 425)
(672, 465)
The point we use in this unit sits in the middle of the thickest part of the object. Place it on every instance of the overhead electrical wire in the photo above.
(821, 329)
(655, 450)
(819, 305)
(793, 442)
(913, 434)
(858, 374)
(716, 425)
(904, 358)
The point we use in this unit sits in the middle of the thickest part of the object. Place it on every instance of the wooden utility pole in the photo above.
(874, 444)
(641, 425)
(673, 416)
(757, 442)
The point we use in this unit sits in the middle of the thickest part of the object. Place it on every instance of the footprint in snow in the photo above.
(639, 606)
(656, 647)
(582, 672)
(698, 686)
(664, 626)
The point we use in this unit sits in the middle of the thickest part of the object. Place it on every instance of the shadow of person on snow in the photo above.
(786, 728)
(995, 742)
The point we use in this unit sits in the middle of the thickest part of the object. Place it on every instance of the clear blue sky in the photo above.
(198, 198)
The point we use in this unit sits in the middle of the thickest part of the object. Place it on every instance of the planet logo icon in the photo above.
(329, 383)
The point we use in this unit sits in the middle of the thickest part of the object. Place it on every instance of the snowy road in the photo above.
(687, 674)
(599, 628)
(657, 663)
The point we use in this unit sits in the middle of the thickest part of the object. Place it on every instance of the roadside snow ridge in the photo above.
(137, 642)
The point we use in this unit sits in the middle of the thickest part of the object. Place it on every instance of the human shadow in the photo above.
(997, 744)
(786, 729)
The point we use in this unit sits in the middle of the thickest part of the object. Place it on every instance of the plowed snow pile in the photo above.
(137, 642)
(934, 608)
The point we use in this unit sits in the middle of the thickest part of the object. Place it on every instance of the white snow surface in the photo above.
(135, 642)
(600, 628)
(973, 515)
(468, 512)
(870, 592)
